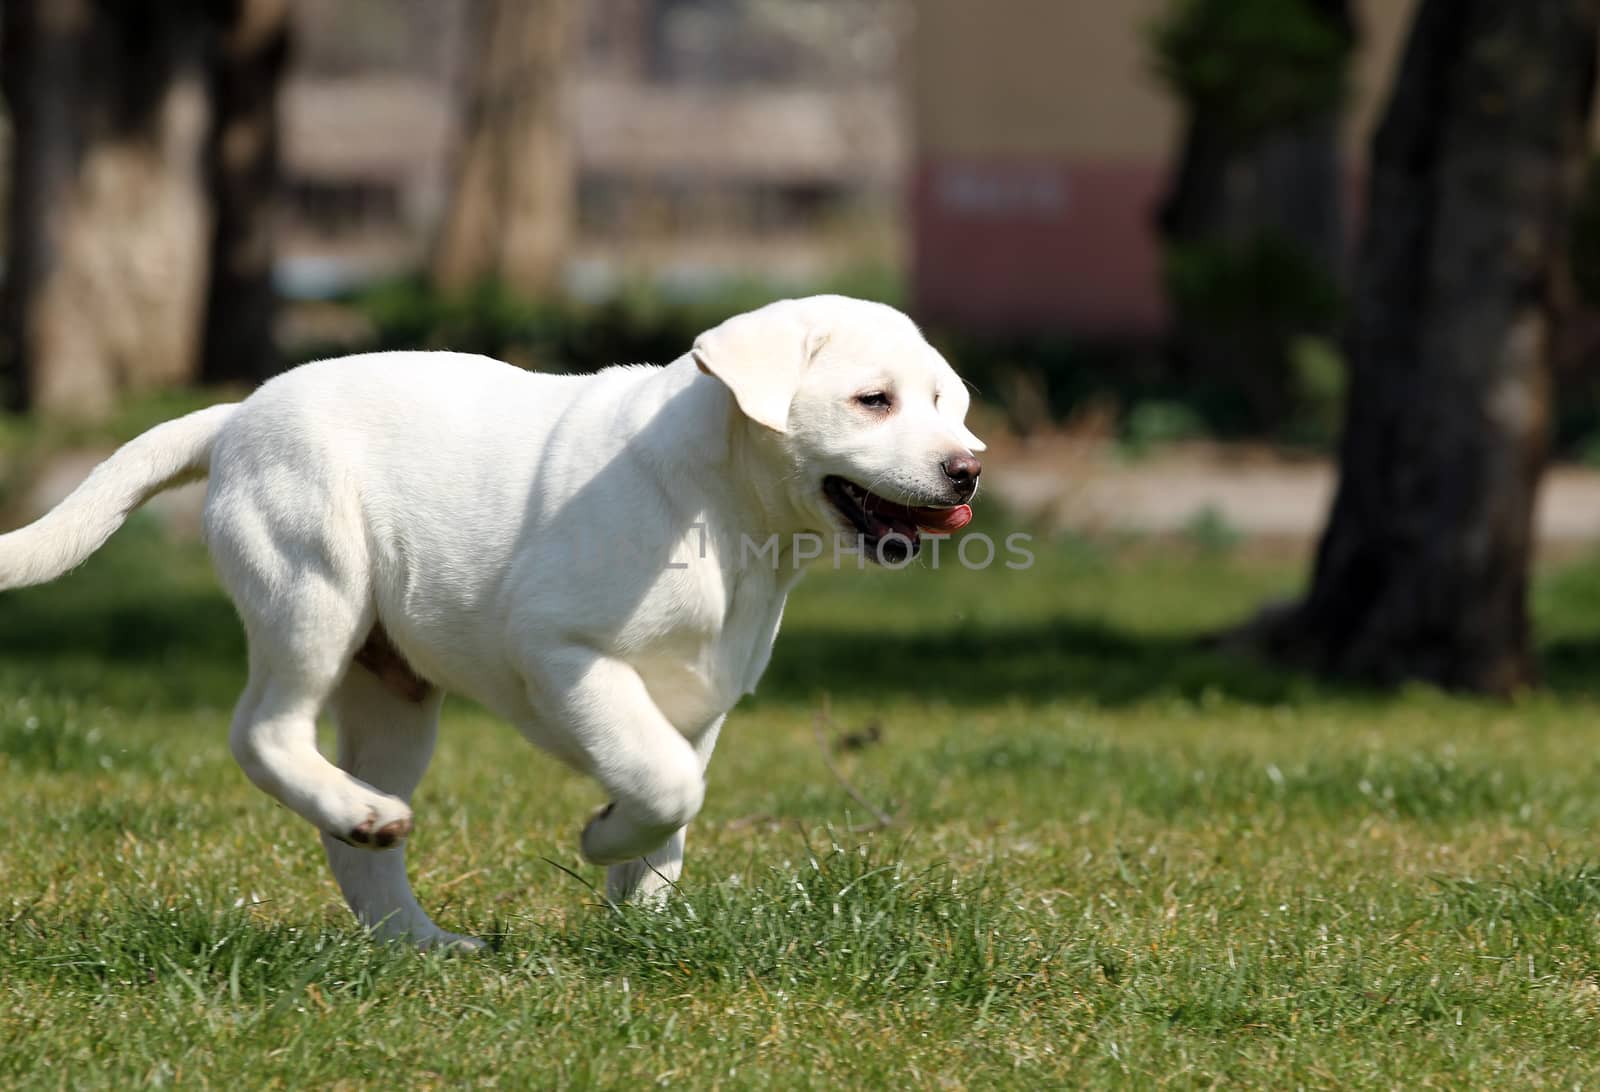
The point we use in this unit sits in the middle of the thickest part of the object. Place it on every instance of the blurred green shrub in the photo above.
(1263, 283)
(1253, 65)
(1155, 422)
(1251, 311)
(642, 324)
(1319, 381)
(1037, 381)
(1210, 532)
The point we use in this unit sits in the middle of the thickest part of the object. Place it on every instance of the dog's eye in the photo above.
(875, 400)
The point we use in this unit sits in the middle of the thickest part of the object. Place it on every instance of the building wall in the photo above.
(1044, 141)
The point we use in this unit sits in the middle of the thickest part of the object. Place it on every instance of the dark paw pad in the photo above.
(390, 833)
(385, 836)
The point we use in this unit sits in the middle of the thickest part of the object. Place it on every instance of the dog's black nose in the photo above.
(963, 471)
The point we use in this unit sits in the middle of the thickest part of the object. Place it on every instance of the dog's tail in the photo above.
(64, 537)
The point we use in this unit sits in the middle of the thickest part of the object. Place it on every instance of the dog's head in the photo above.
(868, 417)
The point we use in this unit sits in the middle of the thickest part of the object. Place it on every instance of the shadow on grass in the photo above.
(145, 623)
(199, 634)
(1571, 667)
(158, 630)
(1084, 659)
(142, 624)
(173, 646)
(1037, 661)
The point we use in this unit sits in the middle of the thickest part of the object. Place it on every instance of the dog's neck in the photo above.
(717, 446)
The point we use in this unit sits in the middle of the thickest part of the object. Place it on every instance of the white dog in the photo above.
(601, 560)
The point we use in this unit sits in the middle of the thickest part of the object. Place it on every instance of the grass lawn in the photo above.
(1115, 859)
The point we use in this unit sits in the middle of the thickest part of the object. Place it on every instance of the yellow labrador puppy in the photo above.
(601, 560)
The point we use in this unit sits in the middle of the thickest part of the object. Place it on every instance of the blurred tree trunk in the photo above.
(512, 209)
(1422, 570)
(108, 215)
(243, 172)
(1244, 181)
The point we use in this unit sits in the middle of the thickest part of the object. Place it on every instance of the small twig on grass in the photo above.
(881, 818)
(448, 884)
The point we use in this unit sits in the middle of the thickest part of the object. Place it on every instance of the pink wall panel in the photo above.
(1031, 246)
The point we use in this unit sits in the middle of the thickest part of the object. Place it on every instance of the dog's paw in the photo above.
(452, 944)
(370, 834)
(610, 837)
(595, 843)
(642, 883)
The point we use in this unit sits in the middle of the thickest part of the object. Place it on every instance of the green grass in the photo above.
(1116, 858)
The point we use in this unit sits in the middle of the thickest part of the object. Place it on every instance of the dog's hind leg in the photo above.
(303, 589)
(297, 657)
(385, 739)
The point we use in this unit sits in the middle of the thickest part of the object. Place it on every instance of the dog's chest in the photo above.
(700, 670)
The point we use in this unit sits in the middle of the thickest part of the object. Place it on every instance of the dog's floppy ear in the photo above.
(759, 356)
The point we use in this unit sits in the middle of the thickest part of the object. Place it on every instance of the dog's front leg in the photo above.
(647, 880)
(607, 721)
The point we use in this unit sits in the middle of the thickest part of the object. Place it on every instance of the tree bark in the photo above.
(108, 213)
(1422, 570)
(511, 212)
(243, 164)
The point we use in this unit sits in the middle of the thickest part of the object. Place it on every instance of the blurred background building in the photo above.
(711, 138)
(1009, 156)
(1045, 142)
(1004, 163)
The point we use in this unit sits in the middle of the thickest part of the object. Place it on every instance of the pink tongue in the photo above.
(943, 520)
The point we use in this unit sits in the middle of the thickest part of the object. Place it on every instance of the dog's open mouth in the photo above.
(885, 523)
